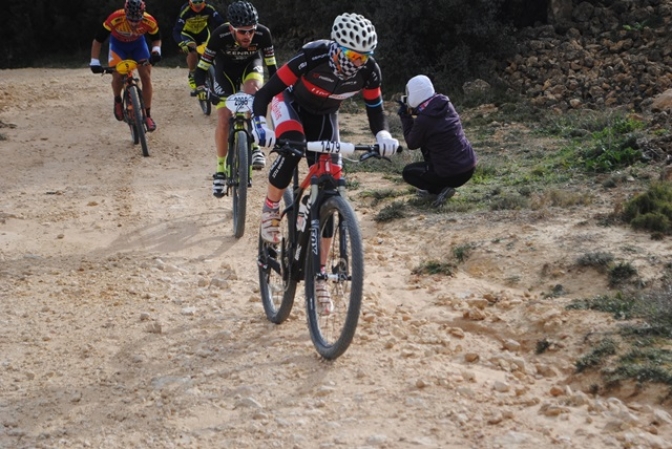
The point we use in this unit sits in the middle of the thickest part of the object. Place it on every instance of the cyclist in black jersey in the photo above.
(236, 49)
(306, 94)
(192, 28)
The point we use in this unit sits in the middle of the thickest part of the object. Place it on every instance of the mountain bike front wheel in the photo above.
(332, 332)
(277, 282)
(240, 176)
(137, 120)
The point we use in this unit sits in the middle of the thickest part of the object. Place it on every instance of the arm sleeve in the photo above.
(102, 34)
(177, 30)
(264, 95)
(373, 100)
(286, 76)
(216, 17)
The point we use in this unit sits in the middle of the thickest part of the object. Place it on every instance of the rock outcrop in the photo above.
(593, 55)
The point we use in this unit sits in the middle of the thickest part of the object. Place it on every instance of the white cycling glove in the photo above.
(387, 145)
(263, 135)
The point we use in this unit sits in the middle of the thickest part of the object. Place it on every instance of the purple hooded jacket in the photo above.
(437, 131)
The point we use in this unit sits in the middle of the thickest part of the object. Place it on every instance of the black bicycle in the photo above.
(318, 228)
(239, 157)
(134, 106)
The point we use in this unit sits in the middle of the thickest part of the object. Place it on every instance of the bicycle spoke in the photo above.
(332, 328)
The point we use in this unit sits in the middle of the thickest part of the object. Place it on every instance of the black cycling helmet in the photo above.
(242, 14)
(135, 9)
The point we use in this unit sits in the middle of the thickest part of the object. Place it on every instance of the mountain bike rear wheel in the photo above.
(206, 105)
(240, 176)
(332, 333)
(276, 280)
(137, 122)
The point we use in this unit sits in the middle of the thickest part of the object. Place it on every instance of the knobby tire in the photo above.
(129, 115)
(333, 334)
(206, 105)
(138, 121)
(240, 176)
(276, 280)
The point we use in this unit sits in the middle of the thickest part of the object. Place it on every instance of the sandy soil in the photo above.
(131, 318)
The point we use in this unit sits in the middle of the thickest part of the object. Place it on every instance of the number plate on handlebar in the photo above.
(240, 102)
(126, 66)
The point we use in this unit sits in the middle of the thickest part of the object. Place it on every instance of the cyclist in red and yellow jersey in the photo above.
(126, 29)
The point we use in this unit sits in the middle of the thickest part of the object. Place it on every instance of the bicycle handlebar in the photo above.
(297, 148)
(113, 68)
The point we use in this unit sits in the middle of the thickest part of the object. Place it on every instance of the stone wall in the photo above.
(615, 53)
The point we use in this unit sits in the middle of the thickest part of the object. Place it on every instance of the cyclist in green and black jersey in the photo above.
(237, 49)
(192, 28)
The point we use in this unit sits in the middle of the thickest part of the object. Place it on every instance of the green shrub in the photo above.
(651, 210)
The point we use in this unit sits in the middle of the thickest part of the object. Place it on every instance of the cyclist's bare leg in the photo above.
(145, 72)
(222, 131)
(192, 60)
(274, 194)
(117, 84)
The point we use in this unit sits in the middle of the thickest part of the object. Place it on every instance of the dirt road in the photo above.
(130, 317)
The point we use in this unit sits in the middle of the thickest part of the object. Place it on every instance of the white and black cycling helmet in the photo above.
(134, 9)
(354, 31)
(242, 14)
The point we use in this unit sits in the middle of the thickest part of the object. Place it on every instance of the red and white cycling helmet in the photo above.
(355, 32)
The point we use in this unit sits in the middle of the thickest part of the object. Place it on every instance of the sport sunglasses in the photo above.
(244, 32)
(356, 56)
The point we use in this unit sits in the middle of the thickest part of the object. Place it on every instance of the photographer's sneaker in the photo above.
(218, 184)
(258, 159)
(325, 306)
(445, 194)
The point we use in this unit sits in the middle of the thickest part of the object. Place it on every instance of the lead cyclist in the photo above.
(306, 94)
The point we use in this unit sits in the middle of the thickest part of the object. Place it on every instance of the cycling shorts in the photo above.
(136, 50)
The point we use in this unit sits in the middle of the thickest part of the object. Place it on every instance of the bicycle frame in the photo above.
(321, 245)
(324, 179)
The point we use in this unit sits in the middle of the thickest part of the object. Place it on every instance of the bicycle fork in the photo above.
(315, 242)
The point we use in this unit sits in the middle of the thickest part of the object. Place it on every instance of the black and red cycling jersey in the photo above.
(317, 89)
(224, 51)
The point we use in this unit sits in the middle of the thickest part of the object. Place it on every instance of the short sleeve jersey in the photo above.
(121, 30)
(223, 46)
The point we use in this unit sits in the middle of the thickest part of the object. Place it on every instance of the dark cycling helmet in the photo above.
(135, 9)
(242, 14)
(355, 32)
